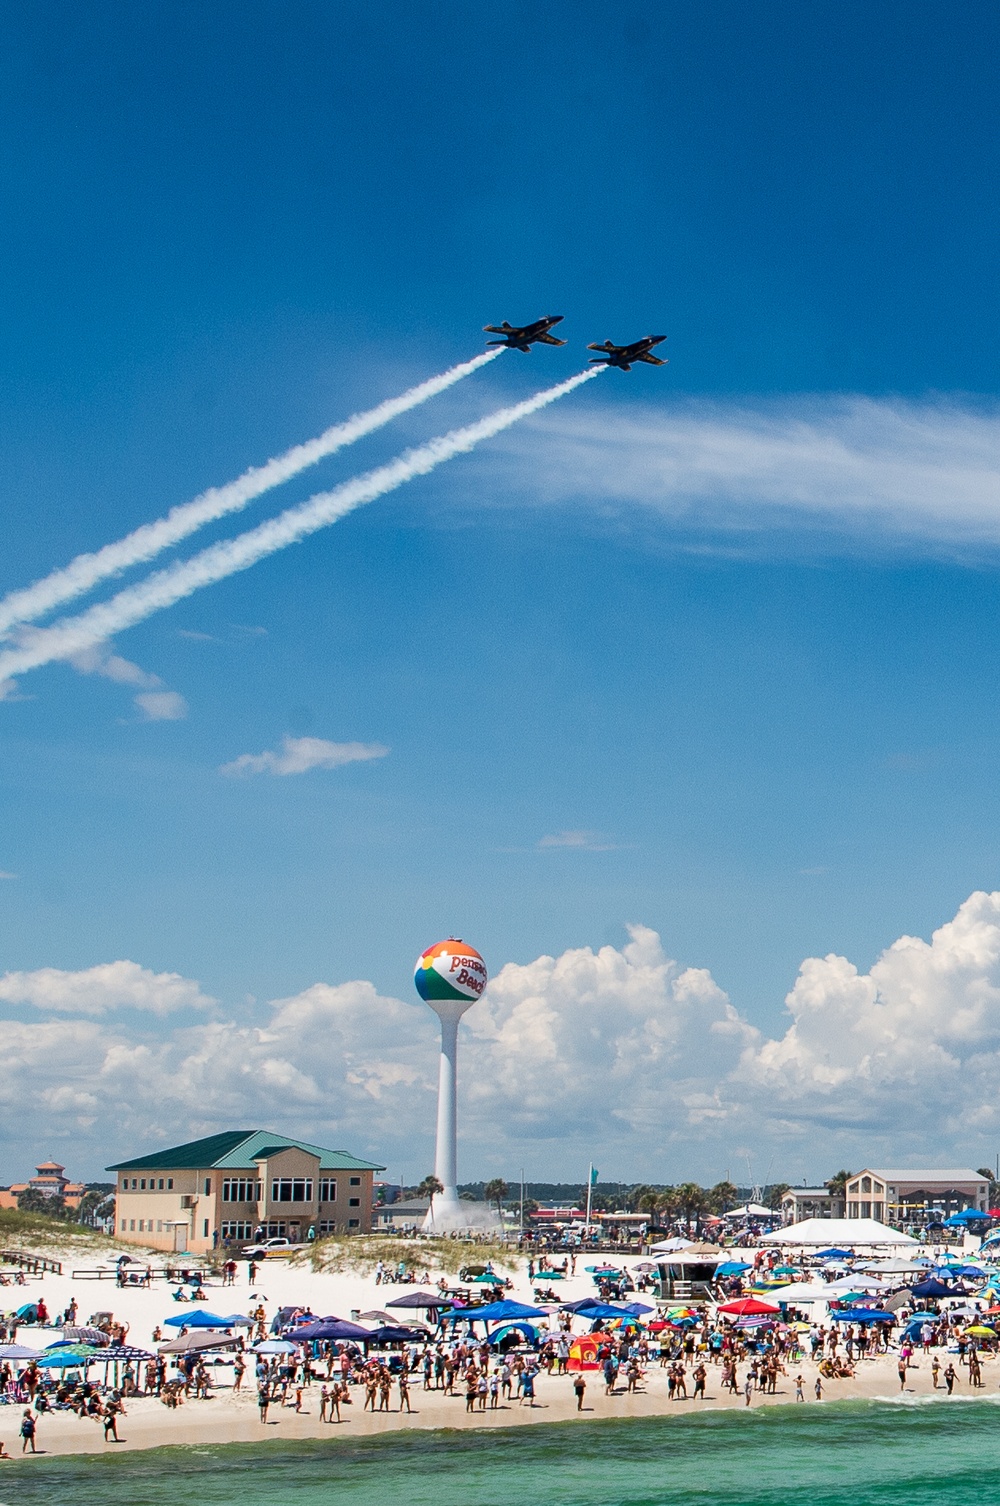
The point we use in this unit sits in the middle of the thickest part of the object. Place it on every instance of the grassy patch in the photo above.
(360, 1253)
(55, 1237)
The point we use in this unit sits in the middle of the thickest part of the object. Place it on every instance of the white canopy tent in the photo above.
(838, 1234)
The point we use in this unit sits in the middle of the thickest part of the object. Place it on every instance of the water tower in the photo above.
(449, 977)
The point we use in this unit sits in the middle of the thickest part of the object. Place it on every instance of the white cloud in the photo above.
(156, 703)
(162, 705)
(925, 469)
(580, 841)
(95, 990)
(300, 754)
(618, 1053)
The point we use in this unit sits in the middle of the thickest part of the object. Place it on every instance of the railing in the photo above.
(33, 1263)
(136, 1276)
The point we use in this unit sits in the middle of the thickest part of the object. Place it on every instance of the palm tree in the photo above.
(495, 1192)
(836, 1186)
(723, 1196)
(693, 1201)
(429, 1188)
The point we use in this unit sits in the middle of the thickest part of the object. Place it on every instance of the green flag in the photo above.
(593, 1176)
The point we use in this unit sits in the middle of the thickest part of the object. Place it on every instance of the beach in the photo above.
(225, 1418)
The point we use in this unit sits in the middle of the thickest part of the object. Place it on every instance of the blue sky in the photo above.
(631, 663)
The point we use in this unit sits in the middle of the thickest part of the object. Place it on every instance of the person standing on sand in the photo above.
(901, 1372)
(950, 1377)
(252, 1272)
(264, 1400)
(818, 1388)
(324, 1402)
(28, 1433)
(111, 1421)
(579, 1386)
(799, 1394)
(404, 1391)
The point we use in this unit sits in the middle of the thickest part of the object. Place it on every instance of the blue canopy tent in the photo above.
(967, 1216)
(496, 1312)
(833, 1254)
(335, 1328)
(579, 1306)
(396, 1333)
(200, 1319)
(864, 1315)
(732, 1268)
(935, 1288)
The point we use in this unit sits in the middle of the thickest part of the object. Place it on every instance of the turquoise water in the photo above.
(846, 1454)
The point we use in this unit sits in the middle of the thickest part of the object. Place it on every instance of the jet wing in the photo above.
(549, 340)
(651, 360)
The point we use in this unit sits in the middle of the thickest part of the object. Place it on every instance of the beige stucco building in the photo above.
(240, 1186)
(915, 1196)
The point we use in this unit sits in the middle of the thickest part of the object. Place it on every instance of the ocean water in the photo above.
(842, 1454)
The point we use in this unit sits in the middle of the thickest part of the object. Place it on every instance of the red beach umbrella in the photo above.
(748, 1307)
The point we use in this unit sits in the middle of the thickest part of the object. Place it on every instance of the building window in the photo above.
(204, 1232)
(142, 1184)
(327, 1226)
(159, 1226)
(237, 1228)
(866, 1184)
(354, 1223)
(208, 1186)
(160, 1184)
(275, 1228)
(292, 1190)
(124, 1225)
(142, 1224)
(354, 1202)
(355, 1181)
(240, 1190)
(170, 1184)
(328, 1189)
(131, 1226)
(134, 1184)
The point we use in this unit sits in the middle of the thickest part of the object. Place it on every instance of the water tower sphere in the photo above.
(450, 970)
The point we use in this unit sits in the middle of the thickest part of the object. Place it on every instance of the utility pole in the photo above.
(521, 1217)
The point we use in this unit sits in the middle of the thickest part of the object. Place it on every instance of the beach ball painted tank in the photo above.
(450, 970)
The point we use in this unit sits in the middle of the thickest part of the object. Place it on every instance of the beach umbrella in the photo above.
(395, 1333)
(68, 1356)
(199, 1318)
(85, 1335)
(980, 1331)
(274, 1346)
(607, 1270)
(419, 1299)
(197, 1341)
(730, 1268)
(864, 1315)
(604, 1310)
(785, 1270)
(18, 1352)
(118, 1352)
(644, 1268)
(637, 1308)
(748, 1307)
(833, 1254)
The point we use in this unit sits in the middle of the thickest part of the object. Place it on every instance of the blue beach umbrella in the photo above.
(732, 1268)
(864, 1315)
(499, 1312)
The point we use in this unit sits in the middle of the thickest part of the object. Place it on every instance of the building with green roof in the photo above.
(228, 1190)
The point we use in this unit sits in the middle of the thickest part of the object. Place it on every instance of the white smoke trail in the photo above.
(151, 539)
(74, 634)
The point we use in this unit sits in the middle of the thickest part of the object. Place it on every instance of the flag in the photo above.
(593, 1176)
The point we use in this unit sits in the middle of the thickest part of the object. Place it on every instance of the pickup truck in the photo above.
(269, 1247)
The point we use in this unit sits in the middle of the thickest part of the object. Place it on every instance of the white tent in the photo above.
(837, 1234)
(751, 1210)
(799, 1291)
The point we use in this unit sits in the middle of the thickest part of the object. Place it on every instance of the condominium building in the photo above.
(227, 1190)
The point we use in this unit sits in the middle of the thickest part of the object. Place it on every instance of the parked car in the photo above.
(269, 1247)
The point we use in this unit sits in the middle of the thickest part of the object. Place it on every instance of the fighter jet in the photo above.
(529, 334)
(622, 356)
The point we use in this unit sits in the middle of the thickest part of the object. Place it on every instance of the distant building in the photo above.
(810, 1202)
(915, 1197)
(231, 1189)
(51, 1181)
(404, 1213)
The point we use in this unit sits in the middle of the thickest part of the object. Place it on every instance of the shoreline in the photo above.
(227, 1420)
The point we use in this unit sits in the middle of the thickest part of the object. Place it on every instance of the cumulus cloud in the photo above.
(162, 705)
(300, 754)
(621, 1052)
(925, 470)
(96, 990)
